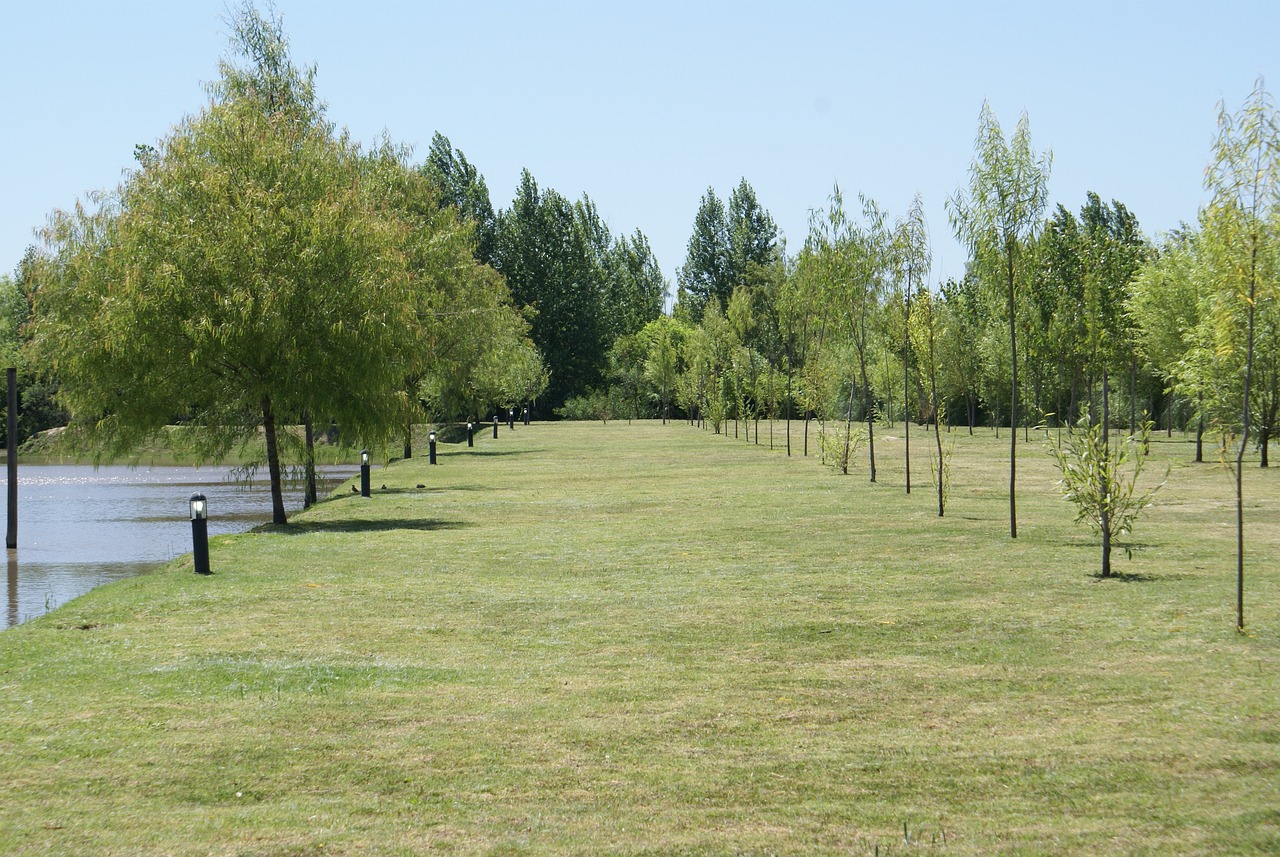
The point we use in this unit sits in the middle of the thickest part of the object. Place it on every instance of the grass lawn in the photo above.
(648, 639)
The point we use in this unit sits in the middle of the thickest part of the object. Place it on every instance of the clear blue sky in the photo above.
(646, 105)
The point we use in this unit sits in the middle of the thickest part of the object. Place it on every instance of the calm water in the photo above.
(79, 527)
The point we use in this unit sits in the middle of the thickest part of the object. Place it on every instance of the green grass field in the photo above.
(648, 639)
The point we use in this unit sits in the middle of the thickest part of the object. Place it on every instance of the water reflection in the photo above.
(79, 527)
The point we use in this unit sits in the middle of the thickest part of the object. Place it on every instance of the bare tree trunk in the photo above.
(1133, 398)
(789, 410)
(906, 409)
(1013, 407)
(273, 462)
(1244, 438)
(871, 437)
(1105, 516)
(309, 498)
(1200, 432)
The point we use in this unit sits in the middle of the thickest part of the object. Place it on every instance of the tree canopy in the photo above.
(254, 268)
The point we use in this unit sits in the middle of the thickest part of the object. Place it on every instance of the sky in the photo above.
(645, 106)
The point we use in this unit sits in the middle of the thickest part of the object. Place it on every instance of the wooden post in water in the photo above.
(11, 533)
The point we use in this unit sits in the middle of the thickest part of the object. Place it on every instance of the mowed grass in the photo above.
(648, 639)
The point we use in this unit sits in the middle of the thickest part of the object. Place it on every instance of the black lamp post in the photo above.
(511, 418)
(364, 473)
(200, 532)
(495, 426)
(431, 447)
(526, 414)
(471, 434)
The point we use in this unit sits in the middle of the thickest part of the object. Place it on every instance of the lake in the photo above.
(80, 527)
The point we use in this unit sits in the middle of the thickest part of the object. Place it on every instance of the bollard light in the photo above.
(471, 434)
(495, 425)
(431, 447)
(200, 533)
(511, 418)
(526, 415)
(364, 473)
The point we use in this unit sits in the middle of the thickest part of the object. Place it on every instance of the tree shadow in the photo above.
(406, 489)
(357, 525)
(498, 452)
(1127, 577)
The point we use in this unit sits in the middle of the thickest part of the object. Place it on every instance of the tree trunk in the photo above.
(788, 410)
(1013, 406)
(1133, 398)
(1072, 416)
(1200, 433)
(1244, 437)
(871, 438)
(309, 499)
(906, 412)
(906, 384)
(273, 463)
(1105, 512)
(848, 431)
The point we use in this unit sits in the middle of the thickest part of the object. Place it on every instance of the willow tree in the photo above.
(912, 258)
(996, 218)
(1240, 236)
(1165, 305)
(851, 262)
(240, 277)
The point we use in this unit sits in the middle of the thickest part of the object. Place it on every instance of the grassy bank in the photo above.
(648, 639)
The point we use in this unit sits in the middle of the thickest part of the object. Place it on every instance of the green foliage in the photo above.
(1241, 229)
(724, 249)
(1101, 480)
(996, 217)
(635, 287)
(13, 313)
(661, 369)
(460, 185)
(940, 471)
(603, 405)
(1165, 303)
(550, 251)
(840, 442)
(705, 277)
(257, 269)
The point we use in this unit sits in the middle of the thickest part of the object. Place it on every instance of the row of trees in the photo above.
(1055, 313)
(257, 267)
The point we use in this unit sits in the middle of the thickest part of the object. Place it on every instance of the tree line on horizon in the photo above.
(257, 268)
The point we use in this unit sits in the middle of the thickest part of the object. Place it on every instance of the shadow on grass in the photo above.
(1127, 577)
(400, 489)
(500, 451)
(357, 525)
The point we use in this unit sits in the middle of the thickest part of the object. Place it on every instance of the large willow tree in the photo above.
(243, 275)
